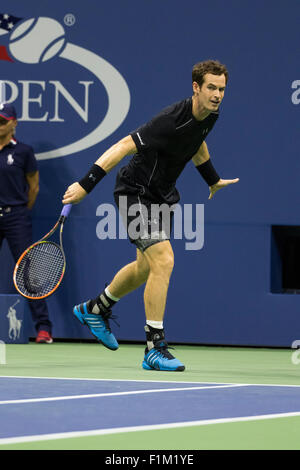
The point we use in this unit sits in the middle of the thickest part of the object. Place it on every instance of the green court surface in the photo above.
(203, 364)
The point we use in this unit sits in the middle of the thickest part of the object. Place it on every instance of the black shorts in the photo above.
(147, 220)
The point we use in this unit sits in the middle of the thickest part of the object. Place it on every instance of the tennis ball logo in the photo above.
(37, 40)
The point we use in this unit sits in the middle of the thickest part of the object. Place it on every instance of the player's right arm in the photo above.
(108, 160)
(116, 153)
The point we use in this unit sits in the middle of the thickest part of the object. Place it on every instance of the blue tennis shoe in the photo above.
(98, 325)
(159, 358)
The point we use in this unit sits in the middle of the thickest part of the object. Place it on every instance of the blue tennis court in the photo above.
(49, 408)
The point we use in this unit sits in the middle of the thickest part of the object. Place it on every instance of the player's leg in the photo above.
(154, 266)
(95, 313)
(160, 258)
(130, 277)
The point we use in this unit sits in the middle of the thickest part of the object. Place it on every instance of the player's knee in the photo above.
(168, 263)
(163, 263)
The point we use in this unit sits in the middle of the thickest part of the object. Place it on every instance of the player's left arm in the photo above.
(202, 155)
(205, 167)
(33, 187)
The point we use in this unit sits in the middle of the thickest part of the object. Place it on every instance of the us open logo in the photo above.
(36, 41)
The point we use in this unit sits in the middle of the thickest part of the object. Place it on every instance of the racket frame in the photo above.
(60, 223)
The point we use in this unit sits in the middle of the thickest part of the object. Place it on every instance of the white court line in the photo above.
(144, 380)
(113, 394)
(111, 380)
(101, 432)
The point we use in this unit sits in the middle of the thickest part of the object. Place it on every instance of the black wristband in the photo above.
(208, 173)
(94, 175)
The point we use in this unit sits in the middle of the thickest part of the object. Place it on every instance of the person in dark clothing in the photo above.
(161, 148)
(19, 186)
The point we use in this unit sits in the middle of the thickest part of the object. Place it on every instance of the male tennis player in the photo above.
(161, 148)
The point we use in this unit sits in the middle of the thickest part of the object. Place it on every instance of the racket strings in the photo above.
(41, 269)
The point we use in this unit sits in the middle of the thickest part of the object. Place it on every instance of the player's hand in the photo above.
(74, 194)
(221, 184)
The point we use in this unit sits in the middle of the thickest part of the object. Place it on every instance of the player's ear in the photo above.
(196, 87)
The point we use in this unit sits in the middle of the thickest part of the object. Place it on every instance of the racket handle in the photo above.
(66, 210)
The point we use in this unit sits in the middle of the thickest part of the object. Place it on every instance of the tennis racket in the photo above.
(41, 268)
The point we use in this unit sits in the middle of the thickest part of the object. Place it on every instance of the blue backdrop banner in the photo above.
(84, 75)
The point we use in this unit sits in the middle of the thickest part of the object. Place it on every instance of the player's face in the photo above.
(211, 93)
(7, 127)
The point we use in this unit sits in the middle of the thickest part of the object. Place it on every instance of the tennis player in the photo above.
(161, 148)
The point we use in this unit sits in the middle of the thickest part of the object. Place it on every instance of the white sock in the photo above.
(106, 299)
(155, 324)
(115, 299)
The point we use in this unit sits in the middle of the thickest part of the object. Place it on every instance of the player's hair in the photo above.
(208, 66)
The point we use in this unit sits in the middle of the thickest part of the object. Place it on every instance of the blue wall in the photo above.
(222, 293)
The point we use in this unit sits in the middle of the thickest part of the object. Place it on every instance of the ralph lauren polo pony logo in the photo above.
(10, 159)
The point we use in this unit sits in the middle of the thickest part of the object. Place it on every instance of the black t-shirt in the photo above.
(165, 145)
